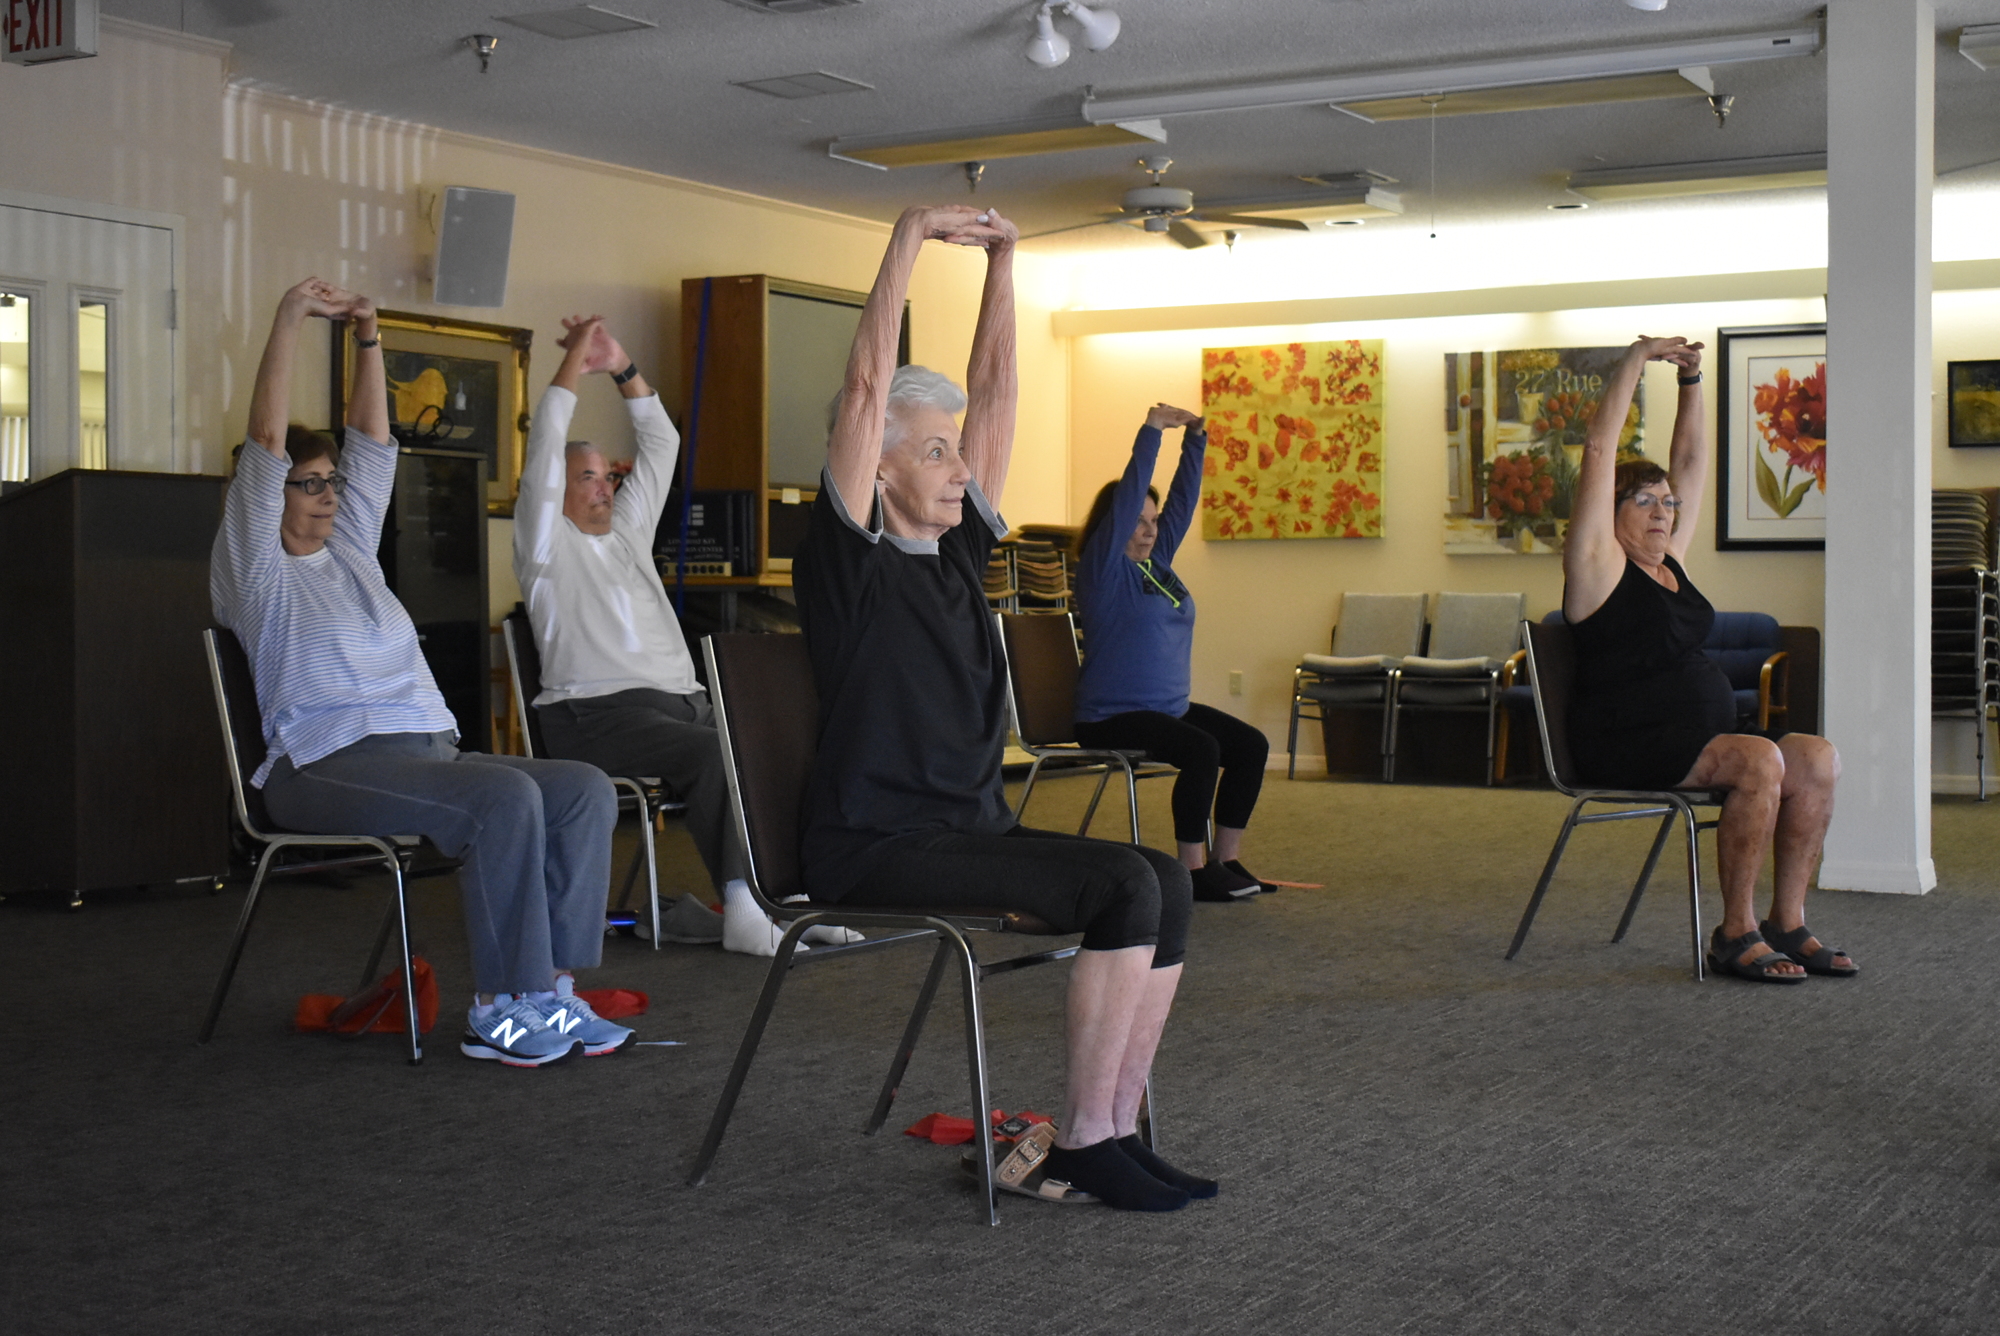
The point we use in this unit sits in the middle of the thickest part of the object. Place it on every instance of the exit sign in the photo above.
(36, 31)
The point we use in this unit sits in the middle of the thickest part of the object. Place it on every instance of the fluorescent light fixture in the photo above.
(817, 83)
(1692, 82)
(1650, 6)
(1603, 63)
(983, 143)
(1981, 45)
(576, 21)
(1672, 179)
(1346, 197)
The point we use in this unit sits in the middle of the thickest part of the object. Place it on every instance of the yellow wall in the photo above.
(1263, 603)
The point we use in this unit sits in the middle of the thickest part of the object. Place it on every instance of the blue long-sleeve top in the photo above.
(1138, 620)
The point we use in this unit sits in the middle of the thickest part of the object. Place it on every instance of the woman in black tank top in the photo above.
(1651, 711)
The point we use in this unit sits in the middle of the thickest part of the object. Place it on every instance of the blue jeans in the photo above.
(535, 837)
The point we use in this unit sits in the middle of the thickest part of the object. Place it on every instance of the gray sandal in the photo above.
(1725, 956)
(1793, 944)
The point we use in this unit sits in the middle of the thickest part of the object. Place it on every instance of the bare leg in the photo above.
(1753, 770)
(1106, 990)
(1228, 843)
(1155, 1000)
(1812, 768)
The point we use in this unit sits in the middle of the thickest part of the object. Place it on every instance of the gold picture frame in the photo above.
(457, 384)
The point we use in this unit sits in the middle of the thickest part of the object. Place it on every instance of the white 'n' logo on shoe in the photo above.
(561, 1021)
(506, 1032)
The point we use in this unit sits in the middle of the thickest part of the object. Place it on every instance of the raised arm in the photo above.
(854, 447)
(368, 396)
(992, 384)
(1184, 494)
(271, 397)
(1593, 561)
(1687, 458)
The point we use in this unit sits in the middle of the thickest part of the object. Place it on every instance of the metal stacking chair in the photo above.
(767, 710)
(1471, 638)
(643, 794)
(1376, 632)
(1552, 666)
(1041, 697)
(243, 734)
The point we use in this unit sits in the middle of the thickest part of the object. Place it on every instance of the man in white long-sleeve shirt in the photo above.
(618, 685)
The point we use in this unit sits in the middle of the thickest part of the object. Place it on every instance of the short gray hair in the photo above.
(911, 387)
(572, 449)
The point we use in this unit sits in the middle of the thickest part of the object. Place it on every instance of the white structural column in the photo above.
(1880, 70)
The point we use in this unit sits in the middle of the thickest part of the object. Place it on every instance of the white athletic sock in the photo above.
(565, 985)
(745, 928)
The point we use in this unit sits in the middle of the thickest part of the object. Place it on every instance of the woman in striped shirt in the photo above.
(359, 737)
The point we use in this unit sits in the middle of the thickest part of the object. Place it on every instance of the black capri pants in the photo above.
(1116, 895)
(1199, 744)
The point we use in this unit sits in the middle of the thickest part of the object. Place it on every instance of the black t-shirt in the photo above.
(912, 687)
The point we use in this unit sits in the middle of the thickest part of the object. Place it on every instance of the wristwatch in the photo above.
(620, 377)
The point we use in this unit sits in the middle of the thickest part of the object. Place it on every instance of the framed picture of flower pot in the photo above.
(1973, 391)
(1770, 396)
(1515, 422)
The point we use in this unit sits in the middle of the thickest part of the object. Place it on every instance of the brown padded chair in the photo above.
(1041, 696)
(1551, 651)
(243, 731)
(767, 712)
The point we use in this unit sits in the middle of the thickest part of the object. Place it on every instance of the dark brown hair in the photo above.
(303, 444)
(1635, 476)
(1100, 510)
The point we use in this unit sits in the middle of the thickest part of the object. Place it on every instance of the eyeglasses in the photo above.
(1646, 501)
(316, 484)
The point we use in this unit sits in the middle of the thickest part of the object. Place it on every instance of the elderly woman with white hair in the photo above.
(905, 803)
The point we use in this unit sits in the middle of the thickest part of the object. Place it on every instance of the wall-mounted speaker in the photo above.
(475, 233)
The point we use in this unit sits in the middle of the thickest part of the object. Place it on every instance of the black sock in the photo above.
(1237, 867)
(1108, 1174)
(1141, 1155)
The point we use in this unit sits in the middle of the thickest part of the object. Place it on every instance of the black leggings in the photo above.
(1198, 744)
(1116, 895)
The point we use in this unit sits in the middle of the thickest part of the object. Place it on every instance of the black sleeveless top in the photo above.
(1647, 699)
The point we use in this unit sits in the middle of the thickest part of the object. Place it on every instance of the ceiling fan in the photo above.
(1171, 210)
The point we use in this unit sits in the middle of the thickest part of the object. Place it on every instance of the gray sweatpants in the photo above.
(535, 837)
(672, 737)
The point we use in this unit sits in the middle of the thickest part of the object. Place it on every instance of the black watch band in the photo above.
(630, 372)
(367, 343)
(1695, 379)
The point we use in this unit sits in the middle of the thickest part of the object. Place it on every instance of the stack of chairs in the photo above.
(1041, 568)
(1002, 593)
(1965, 609)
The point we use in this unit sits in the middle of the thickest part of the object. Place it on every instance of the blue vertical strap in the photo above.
(687, 455)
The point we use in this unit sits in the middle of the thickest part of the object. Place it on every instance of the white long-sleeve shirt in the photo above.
(600, 613)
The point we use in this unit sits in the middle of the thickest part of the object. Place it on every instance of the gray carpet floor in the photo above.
(1413, 1134)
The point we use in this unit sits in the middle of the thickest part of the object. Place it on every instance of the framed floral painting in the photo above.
(1295, 441)
(1770, 397)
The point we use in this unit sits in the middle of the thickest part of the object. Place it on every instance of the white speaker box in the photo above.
(475, 233)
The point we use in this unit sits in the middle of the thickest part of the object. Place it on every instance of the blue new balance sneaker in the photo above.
(516, 1034)
(568, 1014)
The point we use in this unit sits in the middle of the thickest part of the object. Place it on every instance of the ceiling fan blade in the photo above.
(1073, 227)
(1185, 235)
(1249, 220)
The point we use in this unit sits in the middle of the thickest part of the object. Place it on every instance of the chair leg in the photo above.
(1389, 739)
(409, 967)
(892, 1083)
(1028, 787)
(1132, 797)
(975, 1053)
(774, 979)
(1147, 1137)
(652, 866)
(1492, 732)
(1645, 875)
(1096, 796)
(1502, 741)
(1548, 873)
(1694, 888)
(236, 944)
(1292, 742)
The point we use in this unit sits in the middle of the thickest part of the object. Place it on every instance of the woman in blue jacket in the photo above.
(1138, 634)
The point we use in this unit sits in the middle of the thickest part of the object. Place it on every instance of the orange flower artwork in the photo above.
(1295, 441)
(1791, 417)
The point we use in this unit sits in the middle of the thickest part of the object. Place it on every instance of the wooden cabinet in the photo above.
(772, 354)
(112, 770)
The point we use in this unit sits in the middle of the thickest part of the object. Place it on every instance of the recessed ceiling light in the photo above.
(1568, 205)
(577, 21)
(817, 83)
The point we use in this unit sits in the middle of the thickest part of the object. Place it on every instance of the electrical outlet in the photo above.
(1235, 681)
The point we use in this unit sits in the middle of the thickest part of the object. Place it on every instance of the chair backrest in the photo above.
(524, 666)
(242, 725)
(767, 719)
(1477, 626)
(1552, 671)
(1739, 643)
(1379, 624)
(1041, 676)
